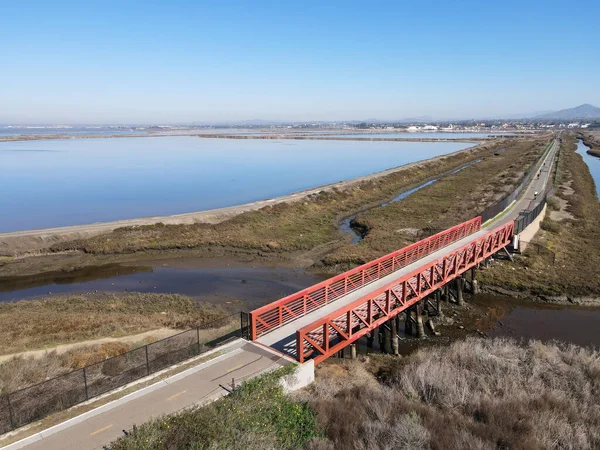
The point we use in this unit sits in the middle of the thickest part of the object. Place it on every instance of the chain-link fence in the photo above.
(35, 402)
(534, 210)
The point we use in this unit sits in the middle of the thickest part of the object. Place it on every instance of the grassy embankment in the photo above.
(570, 230)
(256, 416)
(449, 201)
(474, 394)
(44, 323)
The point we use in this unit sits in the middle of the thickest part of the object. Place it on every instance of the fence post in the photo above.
(147, 361)
(10, 412)
(198, 335)
(87, 397)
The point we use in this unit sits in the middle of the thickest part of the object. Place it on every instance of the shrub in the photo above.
(550, 225)
(553, 203)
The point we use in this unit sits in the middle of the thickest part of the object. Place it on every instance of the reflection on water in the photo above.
(569, 324)
(80, 181)
(254, 286)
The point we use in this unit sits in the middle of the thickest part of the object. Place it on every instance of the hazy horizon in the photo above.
(139, 63)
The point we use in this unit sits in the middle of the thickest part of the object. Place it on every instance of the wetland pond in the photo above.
(81, 181)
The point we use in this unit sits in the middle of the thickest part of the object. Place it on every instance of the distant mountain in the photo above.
(580, 112)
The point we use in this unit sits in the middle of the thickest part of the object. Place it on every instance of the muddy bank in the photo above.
(217, 281)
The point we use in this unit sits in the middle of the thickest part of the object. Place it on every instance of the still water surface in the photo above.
(253, 286)
(593, 163)
(73, 182)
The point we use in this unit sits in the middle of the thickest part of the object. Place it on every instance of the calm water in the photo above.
(546, 323)
(593, 163)
(70, 182)
(254, 286)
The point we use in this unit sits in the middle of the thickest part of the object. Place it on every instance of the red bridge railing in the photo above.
(287, 309)
(332, 332)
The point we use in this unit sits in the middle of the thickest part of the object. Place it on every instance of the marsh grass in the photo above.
(474, 394)
(449, 201)
(51, 321)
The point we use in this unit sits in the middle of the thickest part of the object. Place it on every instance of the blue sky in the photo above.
(185, 61)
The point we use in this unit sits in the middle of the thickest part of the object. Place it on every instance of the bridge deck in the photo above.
(283, 339)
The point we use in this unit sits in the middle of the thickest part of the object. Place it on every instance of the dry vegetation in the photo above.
(19, 372)
(35, 324)
(473, 395)
(451, 200)
(592, 140)
(575, 239)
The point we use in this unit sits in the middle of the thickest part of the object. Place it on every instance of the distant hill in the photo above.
(580, 112)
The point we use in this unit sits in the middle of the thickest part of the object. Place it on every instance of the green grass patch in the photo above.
(258, 415)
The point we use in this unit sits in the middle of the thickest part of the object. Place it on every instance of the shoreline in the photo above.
(212, 216)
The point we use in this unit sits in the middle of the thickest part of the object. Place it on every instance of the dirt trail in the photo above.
(60, 349)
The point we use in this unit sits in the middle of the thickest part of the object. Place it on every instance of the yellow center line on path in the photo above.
(235, 368)
(101, 430)
(176, 395)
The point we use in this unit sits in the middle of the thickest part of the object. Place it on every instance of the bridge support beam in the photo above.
(394, 333)
(445, 292)
(408, 325)
(474, 283)
(420, 327)
(459, 290)
(370, 338)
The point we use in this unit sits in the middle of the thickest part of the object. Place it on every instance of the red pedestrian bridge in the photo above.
(317, 322)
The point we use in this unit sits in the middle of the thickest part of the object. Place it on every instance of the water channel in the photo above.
(357, 235)
(593, 163)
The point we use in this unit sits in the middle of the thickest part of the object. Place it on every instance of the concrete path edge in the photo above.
(115, 403)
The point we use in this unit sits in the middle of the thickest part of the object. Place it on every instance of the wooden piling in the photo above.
(394, 333)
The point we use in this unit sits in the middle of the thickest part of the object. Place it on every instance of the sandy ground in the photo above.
(30, 241)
